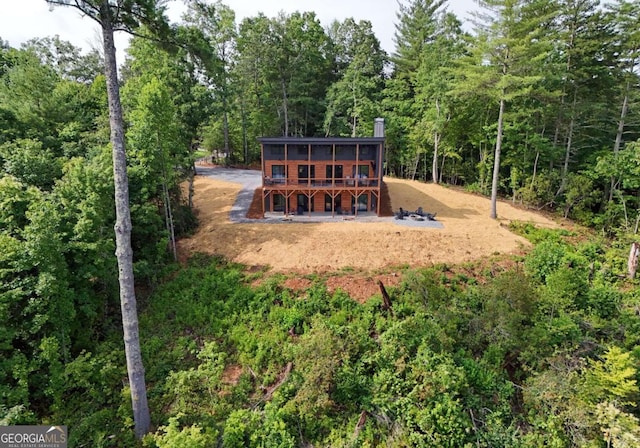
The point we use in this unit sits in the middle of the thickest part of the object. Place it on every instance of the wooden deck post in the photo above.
(264, 165)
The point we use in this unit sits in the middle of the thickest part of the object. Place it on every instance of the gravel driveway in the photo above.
(249, 179)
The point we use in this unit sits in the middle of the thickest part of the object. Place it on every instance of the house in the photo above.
(340, 176)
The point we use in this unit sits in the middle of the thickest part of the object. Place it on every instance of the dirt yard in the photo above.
(296, 248)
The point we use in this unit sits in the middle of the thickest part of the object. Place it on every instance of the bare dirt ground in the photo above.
(365, 252)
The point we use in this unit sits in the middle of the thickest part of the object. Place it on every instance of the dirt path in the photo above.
(468, 232)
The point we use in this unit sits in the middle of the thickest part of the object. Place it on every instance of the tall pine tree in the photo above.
(113, 16)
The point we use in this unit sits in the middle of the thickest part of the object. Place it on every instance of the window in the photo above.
(363, 170)
(278, 203)
(346, 152)
(334, 172)
(277, 172)
(303, 204)
(363, 201)
(336, 204)
(276, 151)
(303, 172)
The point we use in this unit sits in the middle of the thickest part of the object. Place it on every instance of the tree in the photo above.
(66, 59)
(26, 91)
(353, 101)
(626, 21)
(157, 149)
(419, 22)
(583, 78)
(416, 28)
(434, 80)
(420, 111)
(113, 16)
(215, 23)
(302, 72)
(180, 69)
(252, 71)
(284, 64)
(510, 42)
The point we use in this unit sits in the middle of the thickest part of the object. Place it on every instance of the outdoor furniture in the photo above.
(418, 215)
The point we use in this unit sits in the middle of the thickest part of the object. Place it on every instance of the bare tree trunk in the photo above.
(620, 131)
(168, 214)
(434, 162)
(632, 265)
(124, 253)
(572, 38)
(623, 116)
(496, 162)
(192, 190)
(169, 220)
(285, 108)
(225, 130)
(416, 162)
(483, 157)
(245, 142)
(569, 146)
(354, 131)
(386, 300)
(436, 145)
(535, 170)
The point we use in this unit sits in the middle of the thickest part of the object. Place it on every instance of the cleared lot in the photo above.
(467, 234)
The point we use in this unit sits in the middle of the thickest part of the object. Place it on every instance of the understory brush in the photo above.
(544, 354)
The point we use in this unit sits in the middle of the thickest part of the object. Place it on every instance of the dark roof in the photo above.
(320, 140)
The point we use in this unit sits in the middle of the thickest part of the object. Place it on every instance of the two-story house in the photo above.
(340, 176)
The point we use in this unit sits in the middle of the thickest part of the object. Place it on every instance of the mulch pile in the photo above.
(255, 209)
(385, 201)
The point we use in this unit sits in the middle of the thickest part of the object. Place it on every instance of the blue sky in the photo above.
(21, 20)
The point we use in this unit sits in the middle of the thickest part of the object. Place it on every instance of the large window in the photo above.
(304, 170)
(363, 171)
(363, 202)
(278, 172)
(304, 203)
(334, 172)
(328, 200)
(346, 152)
(276, 152)
(278, 202)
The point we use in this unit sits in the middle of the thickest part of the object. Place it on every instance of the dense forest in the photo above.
(537, 103)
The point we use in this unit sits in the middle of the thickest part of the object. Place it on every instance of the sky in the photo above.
(21, 20)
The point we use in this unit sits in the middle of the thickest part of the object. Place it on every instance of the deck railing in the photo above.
(320, 182)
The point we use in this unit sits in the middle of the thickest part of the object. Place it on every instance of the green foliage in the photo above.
(266, 366)
(353, 99)
(618, 428)
(197, 387)
(613, 379)
(543, 355)
(30, 163)
(545, 259)
(176, 436)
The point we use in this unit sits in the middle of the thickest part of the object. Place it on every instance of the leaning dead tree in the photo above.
(386, 300)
